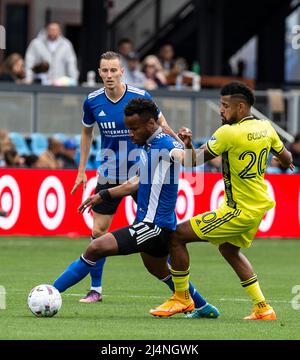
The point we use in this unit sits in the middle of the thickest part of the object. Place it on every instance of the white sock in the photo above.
(97, 288)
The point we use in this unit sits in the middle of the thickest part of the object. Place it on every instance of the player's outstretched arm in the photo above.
(85, 145)
(127, 188)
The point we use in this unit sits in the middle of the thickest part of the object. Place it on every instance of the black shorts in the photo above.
(143, 237)
(111, 206)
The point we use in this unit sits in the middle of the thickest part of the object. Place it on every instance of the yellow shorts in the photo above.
(236, 226)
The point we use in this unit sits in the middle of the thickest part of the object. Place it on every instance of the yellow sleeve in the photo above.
(277, 145)
(220, 141)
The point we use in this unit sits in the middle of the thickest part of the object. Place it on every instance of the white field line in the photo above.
(163, 297)
(158, 297)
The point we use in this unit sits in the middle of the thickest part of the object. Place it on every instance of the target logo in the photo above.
(51, 202)
(268, 219)
(217, 195)
(10, 200)
(130, 209)
(185, 204)
(90, 187)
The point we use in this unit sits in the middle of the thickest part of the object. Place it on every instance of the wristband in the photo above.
(105, 195)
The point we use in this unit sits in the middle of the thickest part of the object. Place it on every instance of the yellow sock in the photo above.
(181, 284)
(253, 290)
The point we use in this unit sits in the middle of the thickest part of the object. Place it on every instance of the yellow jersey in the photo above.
(245, 147)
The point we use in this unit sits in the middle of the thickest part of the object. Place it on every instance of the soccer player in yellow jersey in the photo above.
(244, 143)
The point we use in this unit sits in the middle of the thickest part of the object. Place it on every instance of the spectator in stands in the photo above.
(133, 75)
(12, 158)
(35, 162)
(50, 157)
(5, 144)
(125, 47)
(68, 155)
(295, 150)
(12, 69)
(155, 77)
(52, 48)
(167, 58)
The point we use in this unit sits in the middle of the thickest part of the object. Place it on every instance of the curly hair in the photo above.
(146, 109)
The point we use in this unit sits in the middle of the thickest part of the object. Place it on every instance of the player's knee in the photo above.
(175, 244)
(228, 251)
(98, 231)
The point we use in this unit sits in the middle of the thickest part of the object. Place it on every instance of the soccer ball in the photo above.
(44, 300)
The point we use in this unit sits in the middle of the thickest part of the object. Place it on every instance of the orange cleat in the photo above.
(269, 314)
(173, 306)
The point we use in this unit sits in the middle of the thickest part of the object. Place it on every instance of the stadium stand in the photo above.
(39, 143)
(20, 143)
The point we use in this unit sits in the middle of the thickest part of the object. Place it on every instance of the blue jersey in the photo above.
(115, 141)
(158, 181)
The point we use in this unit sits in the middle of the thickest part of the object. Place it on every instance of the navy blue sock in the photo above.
(96, 272)
(198, 299)
(73, 274)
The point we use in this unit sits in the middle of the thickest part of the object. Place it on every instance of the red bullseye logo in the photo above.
(185, 204)
(268, 219)
(51, 202)
(130, 209)
(10, 201)
(89, 190)
(217, 195)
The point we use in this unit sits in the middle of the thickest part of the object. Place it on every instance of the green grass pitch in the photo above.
(129, 293)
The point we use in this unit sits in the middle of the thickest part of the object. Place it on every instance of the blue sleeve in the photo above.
(172, 144)
(149, 97)
(88, 118)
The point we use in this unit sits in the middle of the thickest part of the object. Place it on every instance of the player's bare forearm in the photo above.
(286, 159)
(127, 188)
(202, 155)
(85, 146)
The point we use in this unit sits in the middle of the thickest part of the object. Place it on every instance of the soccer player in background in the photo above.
(156, 186)
(105, 107)
(244, 143)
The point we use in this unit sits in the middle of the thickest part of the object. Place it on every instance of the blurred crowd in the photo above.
(57, 155)
(50, 59)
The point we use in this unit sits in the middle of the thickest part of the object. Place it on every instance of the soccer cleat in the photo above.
(91, 296)
(173, 306)
(206, 311)
(269, 314)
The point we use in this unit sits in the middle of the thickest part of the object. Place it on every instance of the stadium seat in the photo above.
(90, 163)
(60, 136)
(39, 143)
(20, 143)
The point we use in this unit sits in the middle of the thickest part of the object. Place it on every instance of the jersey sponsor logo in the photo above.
(101, 113)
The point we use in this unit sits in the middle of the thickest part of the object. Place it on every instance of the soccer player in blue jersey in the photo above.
(156, 186)
(105, 107)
